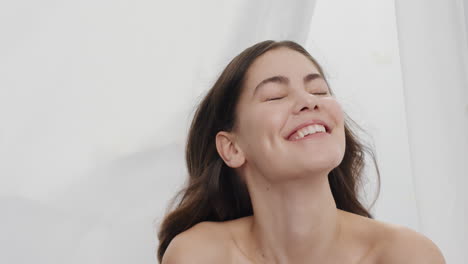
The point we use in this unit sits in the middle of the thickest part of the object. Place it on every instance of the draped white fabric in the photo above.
(96, 98)
(434, 56)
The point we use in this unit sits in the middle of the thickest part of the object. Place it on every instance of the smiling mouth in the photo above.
(308, 131)
(313, 135)
(313, 126)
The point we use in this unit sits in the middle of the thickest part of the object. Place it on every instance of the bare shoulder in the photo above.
(393, 244)
(404, 245)
(202, 243)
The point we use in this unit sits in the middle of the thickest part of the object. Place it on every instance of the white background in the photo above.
(96, 98)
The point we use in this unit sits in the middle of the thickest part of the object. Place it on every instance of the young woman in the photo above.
(274, 170)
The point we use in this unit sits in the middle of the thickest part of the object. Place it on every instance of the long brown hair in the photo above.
(214, 192)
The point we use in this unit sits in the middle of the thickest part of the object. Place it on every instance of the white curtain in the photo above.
(96, 98)
(433, 48)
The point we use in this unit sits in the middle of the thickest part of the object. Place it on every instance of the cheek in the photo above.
(260, 128)
(334, 110)
(273, 118)
(266, 120)
(337, 115)
(250, 127)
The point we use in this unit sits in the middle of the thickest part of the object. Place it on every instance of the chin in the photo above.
(323, 163)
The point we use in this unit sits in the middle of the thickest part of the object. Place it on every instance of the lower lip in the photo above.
(315, 135)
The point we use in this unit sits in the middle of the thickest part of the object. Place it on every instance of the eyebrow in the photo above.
(285, 80)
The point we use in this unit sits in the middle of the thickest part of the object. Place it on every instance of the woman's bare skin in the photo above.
(363, 241)
(295, 219)
(357, 243)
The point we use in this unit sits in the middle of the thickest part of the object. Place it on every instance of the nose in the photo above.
(305, 101)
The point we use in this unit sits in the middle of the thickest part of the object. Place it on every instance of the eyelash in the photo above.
(277, 98)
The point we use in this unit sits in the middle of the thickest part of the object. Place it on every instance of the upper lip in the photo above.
(308, 123)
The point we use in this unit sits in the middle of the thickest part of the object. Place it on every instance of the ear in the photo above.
(229, 150)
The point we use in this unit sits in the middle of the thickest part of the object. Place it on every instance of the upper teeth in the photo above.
(311, 129)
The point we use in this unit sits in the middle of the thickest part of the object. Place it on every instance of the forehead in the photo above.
(282, 61)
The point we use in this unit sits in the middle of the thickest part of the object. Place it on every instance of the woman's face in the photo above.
(269, 111)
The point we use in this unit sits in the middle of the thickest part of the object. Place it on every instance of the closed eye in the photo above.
(278, 98)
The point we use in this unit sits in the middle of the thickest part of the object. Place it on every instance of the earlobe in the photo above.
(228, 150)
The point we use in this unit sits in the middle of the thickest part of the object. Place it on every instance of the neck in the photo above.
(294, 221)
